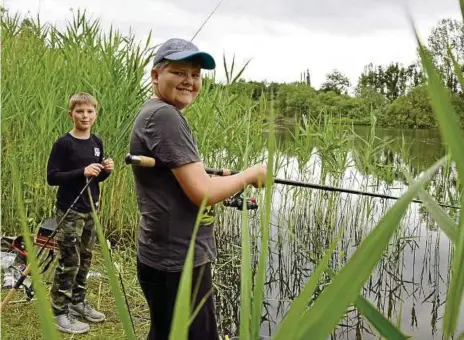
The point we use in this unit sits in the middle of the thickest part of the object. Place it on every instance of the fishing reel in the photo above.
(237, 201)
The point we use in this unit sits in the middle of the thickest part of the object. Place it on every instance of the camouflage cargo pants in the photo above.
(76, 239)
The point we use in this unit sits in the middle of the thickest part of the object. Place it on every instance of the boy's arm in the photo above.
(55, 175)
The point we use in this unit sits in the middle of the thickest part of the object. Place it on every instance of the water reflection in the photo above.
(408, 285)
(424, 146)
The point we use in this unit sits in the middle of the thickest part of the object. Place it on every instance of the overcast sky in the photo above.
(282, 37)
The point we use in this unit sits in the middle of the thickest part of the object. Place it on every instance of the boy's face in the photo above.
(83, 116)
(178, 83)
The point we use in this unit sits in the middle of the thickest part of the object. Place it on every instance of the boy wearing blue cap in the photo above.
(169, 194)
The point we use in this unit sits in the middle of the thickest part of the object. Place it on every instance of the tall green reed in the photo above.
(43, 306)
(260, 277)
(114, 282)
(182, 309)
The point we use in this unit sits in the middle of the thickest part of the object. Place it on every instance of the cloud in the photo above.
(330, 16)
(282, 37)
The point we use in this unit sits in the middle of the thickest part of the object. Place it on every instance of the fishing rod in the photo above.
(145, 161)
(27, 270)
(236, 201)
(206, 20)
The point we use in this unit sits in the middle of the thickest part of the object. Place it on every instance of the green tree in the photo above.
(392, 81)
(371, 102)
(448, 33)
(336, 82)
(296, 99)
(414, 109)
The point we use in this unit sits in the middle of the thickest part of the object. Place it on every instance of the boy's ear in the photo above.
(70, 114)
(154, 76)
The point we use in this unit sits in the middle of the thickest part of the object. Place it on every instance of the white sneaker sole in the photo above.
(76, 313)
(67, 330)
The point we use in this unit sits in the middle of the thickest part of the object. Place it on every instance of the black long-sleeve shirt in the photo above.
(65, 169)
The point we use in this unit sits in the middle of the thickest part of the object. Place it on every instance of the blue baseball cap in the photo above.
(179, 49)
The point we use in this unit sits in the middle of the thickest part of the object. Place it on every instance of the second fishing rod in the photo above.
(59, 224)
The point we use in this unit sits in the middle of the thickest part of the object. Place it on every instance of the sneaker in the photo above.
(85, 310)
(69, 324)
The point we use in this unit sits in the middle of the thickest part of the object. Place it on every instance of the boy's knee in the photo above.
(65, 282)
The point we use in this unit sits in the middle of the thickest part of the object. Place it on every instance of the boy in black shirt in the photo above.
(75, 158)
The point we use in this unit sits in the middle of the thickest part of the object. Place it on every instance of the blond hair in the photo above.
(162, 64)
(81, 98)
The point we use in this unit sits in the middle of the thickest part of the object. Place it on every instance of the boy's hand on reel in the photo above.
(237, 201)
(93, 169)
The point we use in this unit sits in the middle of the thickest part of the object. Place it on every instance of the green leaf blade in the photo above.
(453, 137)
(258, 293)
(289, 325)
(181, 318)
(47, 321)
(378, 320)
(444, 221)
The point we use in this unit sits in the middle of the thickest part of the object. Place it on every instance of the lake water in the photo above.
(408, 285)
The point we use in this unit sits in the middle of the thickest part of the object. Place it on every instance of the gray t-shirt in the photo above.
(168, 216)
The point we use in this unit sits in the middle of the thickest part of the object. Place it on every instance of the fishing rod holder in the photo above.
(237, 201)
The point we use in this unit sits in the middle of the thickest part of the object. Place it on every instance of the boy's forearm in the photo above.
(224, 187)
(62, 177)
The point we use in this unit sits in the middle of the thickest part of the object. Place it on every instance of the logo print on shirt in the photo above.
(96, 152)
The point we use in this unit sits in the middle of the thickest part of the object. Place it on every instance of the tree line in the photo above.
(396, 94)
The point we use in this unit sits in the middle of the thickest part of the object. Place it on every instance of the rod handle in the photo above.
(150, 162)
(13, 290)
(144, 161)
